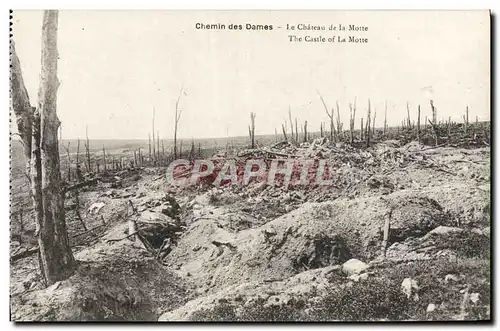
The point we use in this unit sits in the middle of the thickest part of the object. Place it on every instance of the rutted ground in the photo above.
(265, 253)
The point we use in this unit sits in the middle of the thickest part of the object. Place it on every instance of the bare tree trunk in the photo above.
(292, 134)
(251, 130)
(368, 122)
(361, 133)
(153, 133)
(284, 132)
(22, 108)
(158, 147)
(385, 119)
(418, 124)
(149, 144)
(56, 258)
(87, 150)
(466, 120)
(373, 122)
(162, 152)
(352, 118)
(178, 112)
(296, 131)
(104, 158)
(305, 131)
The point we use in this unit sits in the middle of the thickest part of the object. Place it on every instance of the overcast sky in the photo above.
(116, 65)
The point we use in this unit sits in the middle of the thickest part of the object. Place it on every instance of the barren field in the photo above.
(402, 233)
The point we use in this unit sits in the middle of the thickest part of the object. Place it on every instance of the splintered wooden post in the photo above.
(291, 123)
(135, 159)
(321, 129)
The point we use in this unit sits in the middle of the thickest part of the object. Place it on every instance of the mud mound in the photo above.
(313, 236)
(113, 282)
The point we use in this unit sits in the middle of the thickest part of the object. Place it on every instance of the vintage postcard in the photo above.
(250, 166)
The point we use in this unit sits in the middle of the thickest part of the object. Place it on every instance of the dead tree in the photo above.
(466, 119)
(178, 112)
(368, 122)
(291, 123)
(434, 113)
(78, 169)
(251, 130)
(296, 131)
(305, 131)
(408, 120)
(352, 118)
(362, 128)
(158, 147)
(385, 118)
(77, 210)
(68, 160)
(373, 122)
(162, 152)
(38, 130)
(284, 132)
(418, 124)
(330, 116)
(104, 158)
(87, 150)
(192, 151)
(338, 122)
(149, 144)
(153, 133)
(321, 129)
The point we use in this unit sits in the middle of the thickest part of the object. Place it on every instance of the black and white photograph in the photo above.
(325, 166)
